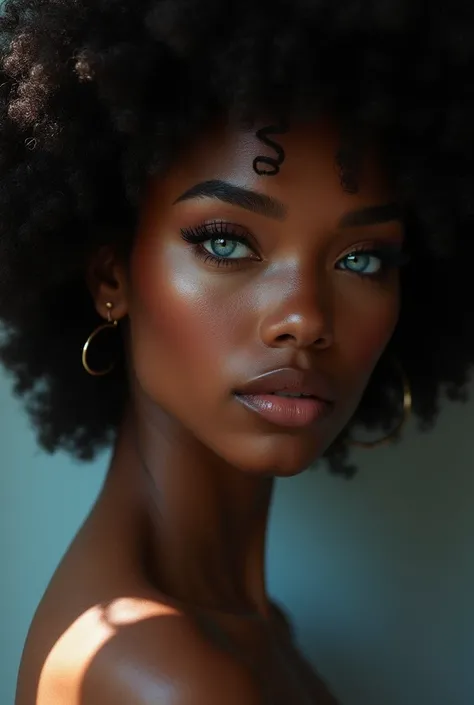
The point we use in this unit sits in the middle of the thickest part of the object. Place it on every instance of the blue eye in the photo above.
(361, 263)
(219, 243)
(226, 248)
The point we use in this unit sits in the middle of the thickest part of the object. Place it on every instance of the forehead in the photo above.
(309, 166)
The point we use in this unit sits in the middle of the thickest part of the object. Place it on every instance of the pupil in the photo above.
(221, 246)
(358, 261)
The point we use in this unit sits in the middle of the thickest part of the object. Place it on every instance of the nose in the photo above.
(298, 315)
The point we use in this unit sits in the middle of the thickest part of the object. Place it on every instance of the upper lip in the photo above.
(291, 379)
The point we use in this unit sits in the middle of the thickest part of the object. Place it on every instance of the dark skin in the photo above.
(162, 597)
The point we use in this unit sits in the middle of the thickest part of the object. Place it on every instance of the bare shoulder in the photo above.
(140, 652)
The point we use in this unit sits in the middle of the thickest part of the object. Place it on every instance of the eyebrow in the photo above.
(237, 196)
(271, 207)
(371, 215)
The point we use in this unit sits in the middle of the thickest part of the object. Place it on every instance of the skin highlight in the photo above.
(281, 305)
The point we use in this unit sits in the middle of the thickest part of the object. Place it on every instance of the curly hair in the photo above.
(96, 97)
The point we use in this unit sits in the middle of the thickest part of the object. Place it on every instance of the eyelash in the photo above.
(390, 256)
(212, 231)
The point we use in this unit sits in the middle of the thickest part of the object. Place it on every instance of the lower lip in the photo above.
(292, 412)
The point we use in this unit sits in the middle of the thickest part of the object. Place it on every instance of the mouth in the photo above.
(292, 395)
(288, 411)
(288, 397)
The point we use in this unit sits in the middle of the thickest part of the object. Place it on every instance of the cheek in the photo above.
(181, 328)
(366, 327)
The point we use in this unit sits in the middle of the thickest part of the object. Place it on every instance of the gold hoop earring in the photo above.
(111, 323)
(407, 409)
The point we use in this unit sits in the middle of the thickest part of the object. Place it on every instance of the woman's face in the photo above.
(247, 288)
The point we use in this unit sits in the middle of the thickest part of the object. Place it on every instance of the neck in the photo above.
(205, 521)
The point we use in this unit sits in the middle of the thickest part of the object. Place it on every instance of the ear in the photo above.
(108, 283)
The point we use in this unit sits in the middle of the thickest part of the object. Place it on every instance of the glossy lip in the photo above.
(290, 379)
(261, 396)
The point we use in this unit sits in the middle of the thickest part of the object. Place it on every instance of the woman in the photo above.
(253, 224)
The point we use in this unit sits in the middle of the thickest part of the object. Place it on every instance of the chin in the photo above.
(276, 457)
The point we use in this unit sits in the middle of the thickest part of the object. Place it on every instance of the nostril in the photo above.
(285, 337)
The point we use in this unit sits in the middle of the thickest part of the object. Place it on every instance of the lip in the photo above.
(261, 396)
